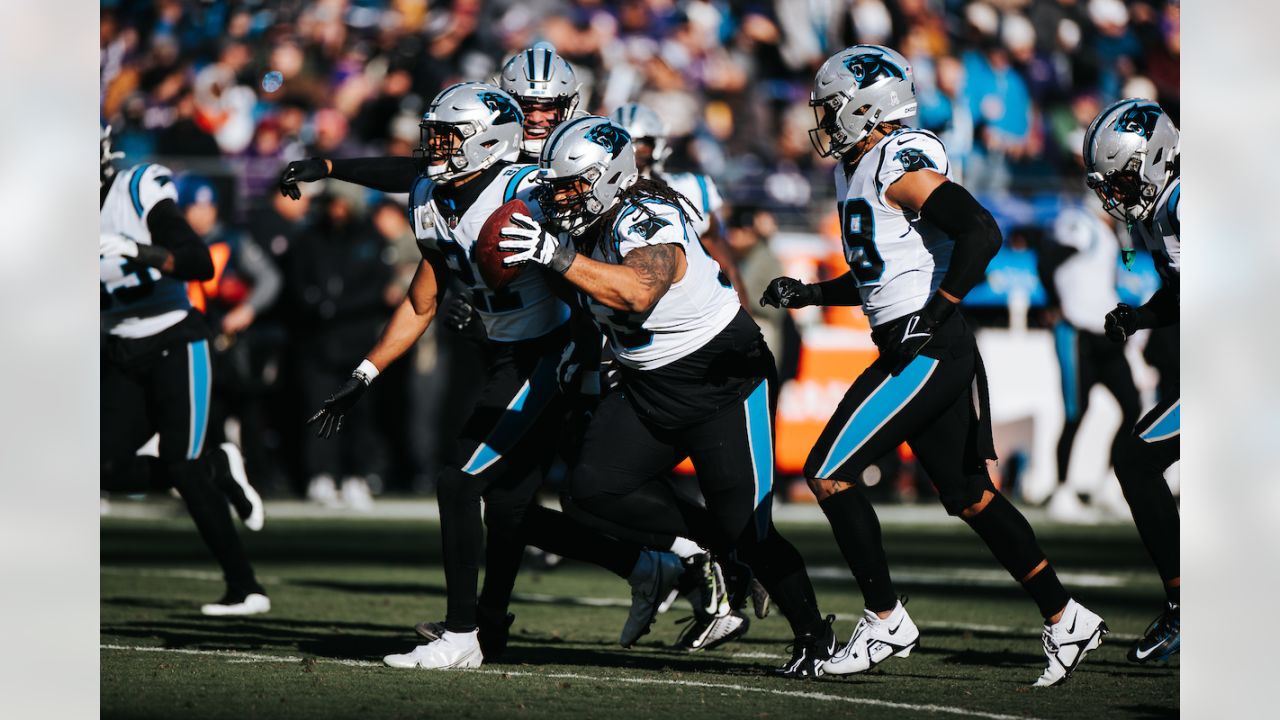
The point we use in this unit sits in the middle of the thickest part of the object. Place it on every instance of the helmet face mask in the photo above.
(584, 167)
(1130, 151)
(106, 156)
(469, 127)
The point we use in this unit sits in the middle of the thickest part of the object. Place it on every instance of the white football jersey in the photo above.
(524, 309)
(701, 192)
(1086, 281)
(1161, 233)
(897, 258)
(137, 300)
(692, 311)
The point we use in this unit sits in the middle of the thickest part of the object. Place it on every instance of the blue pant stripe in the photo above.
(1165, 426)
(522, 412)
(1067, 343)
(199, 384)
(881, 405)
(760, 439)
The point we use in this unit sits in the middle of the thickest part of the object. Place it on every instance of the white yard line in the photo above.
(246, 657)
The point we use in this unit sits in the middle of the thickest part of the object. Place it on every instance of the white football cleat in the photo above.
(1067, 641)
(245, 500)
(710, 632)
(250, 604)
(655, 575)
(356, 494)
(874, 641)
(452, 651)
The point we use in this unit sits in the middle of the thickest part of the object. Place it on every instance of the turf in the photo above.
(345, 593)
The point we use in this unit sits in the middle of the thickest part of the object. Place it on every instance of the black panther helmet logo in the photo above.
(914, 159)
(649, 226)
(1140, 119)
(610, 137)
(868, 69)
(507, 111)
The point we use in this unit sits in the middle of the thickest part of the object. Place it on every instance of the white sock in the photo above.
(686, 548)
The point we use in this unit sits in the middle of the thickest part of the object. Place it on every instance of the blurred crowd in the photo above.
(226, 92)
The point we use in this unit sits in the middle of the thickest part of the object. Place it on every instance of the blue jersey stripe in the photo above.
(706, 197)
(135, 187)
(513, 185)
(200, 381)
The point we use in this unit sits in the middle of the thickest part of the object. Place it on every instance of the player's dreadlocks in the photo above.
(645, 189)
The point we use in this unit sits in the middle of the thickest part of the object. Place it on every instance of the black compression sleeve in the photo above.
(170, 231)
(1163, 307)
(840, 291)
(386, 174)
(976, 237)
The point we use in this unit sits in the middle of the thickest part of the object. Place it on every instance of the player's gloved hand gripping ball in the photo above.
(529, 243)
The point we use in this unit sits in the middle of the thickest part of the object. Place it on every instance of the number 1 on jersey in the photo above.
(858, 231)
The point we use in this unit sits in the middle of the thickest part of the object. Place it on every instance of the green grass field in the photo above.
(346, 592)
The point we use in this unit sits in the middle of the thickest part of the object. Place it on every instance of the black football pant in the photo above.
(1141, 460)
(1086, 359)
(501, 456)
(167, 391)
(732, 453)
(937, 405)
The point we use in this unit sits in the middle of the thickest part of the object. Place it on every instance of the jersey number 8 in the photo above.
(858, 231)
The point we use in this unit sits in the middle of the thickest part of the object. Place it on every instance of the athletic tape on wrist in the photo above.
(367, 371)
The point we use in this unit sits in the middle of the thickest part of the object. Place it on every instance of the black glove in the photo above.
(330, 415)
(1121, 323)
(916, 332)
(785, 292)
(308, 170)
(458, 313)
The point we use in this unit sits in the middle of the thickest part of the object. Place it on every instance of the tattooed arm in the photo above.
(636, 285)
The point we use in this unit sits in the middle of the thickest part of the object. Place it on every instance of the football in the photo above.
(488, 256)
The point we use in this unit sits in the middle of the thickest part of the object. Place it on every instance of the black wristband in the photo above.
(938, 309)
(152, 255)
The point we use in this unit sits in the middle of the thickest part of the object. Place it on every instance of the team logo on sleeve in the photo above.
(501, 104)
(610, 137)
(649, 227)
(914, 159)
(869, 68)
(1140, 119)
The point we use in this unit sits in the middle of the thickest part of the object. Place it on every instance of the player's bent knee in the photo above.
(457, 486)
(824, 488)
(968, 498)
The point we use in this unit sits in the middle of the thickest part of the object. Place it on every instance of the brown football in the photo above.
(488, 256)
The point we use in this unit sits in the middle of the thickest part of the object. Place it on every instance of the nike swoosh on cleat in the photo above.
(1143, 655)
(895, 630)
(1073, 624)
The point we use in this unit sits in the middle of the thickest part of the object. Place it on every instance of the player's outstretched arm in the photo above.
(1161, 310)
(785, 292)
(645, 275)
(385, 174)
(175, 249)
(407, 324)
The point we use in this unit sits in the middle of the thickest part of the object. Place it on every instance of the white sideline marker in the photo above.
(237, 656)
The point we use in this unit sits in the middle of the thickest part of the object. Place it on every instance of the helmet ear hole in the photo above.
(1159, 154)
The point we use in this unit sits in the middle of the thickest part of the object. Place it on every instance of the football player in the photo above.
(470, 133)
(156, 374)
(1131, 154)
(695, 372)
(546, 87)
(650, 135)
(916, 243)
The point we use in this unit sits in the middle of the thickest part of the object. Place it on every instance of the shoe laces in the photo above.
(1163, 627)
(1049, 642)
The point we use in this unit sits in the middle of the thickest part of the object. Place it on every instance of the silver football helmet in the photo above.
(539, 76)
(854, 91)
(1130, 151)
(469, 127)
(585, 165)
(642, 123)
